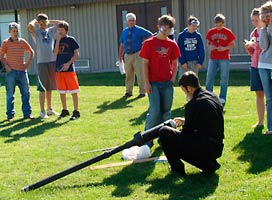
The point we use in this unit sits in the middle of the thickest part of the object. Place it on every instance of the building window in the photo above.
(5, 19)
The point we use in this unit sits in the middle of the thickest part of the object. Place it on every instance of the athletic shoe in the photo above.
(29, 117)
(268, 133)
(52, 112)
(75, 115)
(64, 113)
(11, 119)
(140, 96)
(127, 95)
(43, 115)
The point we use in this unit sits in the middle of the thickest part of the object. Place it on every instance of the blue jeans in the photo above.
(19, 78)
(266, 79)
(213, 66)
(160, 103)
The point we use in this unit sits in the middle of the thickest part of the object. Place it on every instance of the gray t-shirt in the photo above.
(44, 40)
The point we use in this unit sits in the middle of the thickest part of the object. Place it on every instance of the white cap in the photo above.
(130, 16)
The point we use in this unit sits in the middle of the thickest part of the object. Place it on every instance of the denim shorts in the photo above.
(255, 80)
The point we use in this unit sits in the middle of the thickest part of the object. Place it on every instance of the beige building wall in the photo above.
(94, 25)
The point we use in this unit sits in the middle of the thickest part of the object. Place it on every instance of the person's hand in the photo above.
(8, 69)
(65, 66)
(58, 37)
(148, 88)
(26, 65)
(222, 48)
(212, 47)
(198, 66)
(179, 121)
(36, 22)
(184, 66)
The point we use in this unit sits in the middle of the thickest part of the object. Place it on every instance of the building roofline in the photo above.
(31, 4)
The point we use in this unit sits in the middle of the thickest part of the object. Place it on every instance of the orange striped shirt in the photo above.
(15, 53)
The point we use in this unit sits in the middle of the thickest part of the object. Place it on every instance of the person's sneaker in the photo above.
(268, 133)
(223, 102)
(127, 95)
(29, 117)
(43, 115)
(64, 113)
(52, 112)
(140, 96)
(75, 115)
(10, 119)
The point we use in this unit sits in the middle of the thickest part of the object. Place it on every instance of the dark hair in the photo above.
(42, 17)
(166, 20)
(219, 18)
(189, 79)
(255, 11)
(64, 25)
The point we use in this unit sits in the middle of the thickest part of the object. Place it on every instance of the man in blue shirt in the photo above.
(191, 47)
(130, 45)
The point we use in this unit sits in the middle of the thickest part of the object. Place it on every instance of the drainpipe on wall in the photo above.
(16, 16)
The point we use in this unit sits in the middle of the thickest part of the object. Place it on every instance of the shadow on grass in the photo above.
(118, 104)
(179, 112)
(38, 128)
(193, 186)
(256, 149)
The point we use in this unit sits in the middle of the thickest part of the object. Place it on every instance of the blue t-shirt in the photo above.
(67, 47)
(138, 35)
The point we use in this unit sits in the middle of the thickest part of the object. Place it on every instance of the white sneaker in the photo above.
(52, 112)
(43, 115)
(223, 101)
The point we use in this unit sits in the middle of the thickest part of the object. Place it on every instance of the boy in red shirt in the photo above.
(158, 52)
(220, 42)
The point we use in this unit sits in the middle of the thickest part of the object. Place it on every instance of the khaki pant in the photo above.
(134, 65)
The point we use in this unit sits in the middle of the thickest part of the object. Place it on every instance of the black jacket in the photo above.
(204, 120)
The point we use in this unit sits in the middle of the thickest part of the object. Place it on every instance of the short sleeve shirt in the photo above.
(67, 47)
(160, 53)
(44, 40)
(138, 35)
(222, 38)
(14, 51)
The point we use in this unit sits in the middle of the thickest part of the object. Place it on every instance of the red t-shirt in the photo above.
(159, 53)
(221, 38)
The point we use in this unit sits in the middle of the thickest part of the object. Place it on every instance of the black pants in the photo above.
(177, 146)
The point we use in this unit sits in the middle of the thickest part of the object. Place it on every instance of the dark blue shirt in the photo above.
(67, 47)
(191, 47)
(138, 35)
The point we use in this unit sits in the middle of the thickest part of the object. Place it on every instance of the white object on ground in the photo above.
(136, 153)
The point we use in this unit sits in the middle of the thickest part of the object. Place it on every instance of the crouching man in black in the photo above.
(200, 141)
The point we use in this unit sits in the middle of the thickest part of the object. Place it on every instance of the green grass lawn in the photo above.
(33, 150)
